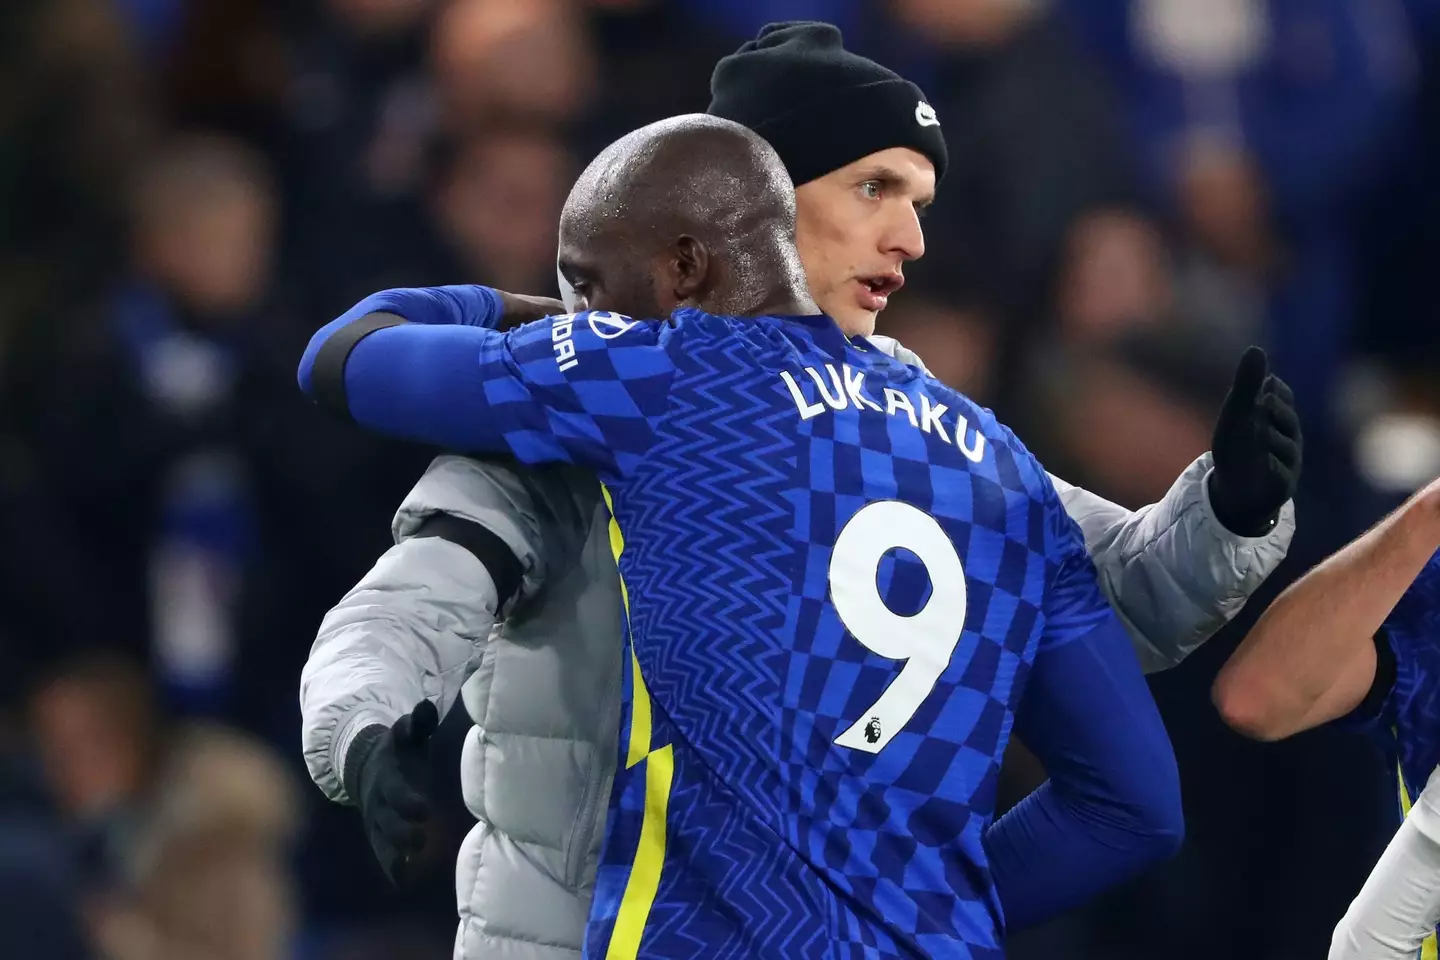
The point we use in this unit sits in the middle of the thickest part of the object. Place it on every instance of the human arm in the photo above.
(1311, 658)
(472, 537)
(1174, 572)
(1112, 804)
(587, 389)
(1399, 905)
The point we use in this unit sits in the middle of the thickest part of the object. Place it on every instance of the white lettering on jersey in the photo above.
(837, 401)
(852, 387)
(975, 452)
(845, 388)
(930, 417)
(806, 408)
(895, 400)
(562, 329)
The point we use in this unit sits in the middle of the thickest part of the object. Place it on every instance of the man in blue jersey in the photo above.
(840, 576)
(1357, 641)
(482, 543)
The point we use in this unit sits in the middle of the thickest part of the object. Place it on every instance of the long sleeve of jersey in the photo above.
(1111, 807)
(587, 389)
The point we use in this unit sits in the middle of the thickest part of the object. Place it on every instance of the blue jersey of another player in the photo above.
(1402, 710)
(837, 574)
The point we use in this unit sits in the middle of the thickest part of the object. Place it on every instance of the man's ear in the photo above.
(694, 268)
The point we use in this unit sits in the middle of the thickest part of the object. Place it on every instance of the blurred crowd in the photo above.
(188, 188)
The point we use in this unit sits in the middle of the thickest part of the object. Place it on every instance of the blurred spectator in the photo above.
(99, 735)
(1035, 141)
(1290, 104)
(498, 203)
(74, 119)
(210, 877)
(376, 18)
(1138, 410)
(150, 386)
(204, 228)
(221, 62)
(498, 58)
(636, 42)
(958, 346)
(40, 916)
(357, 122)
(1114, 275)
(175, 446)
(191, 827)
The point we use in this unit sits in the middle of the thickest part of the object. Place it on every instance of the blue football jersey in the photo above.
(837, 573)
(1405, 719)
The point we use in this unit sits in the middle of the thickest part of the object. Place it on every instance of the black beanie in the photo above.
(819, 105)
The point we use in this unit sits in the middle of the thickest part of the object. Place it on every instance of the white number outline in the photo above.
(925, 640)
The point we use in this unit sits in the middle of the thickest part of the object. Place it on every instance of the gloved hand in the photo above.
(385, 776)
(1257, 449)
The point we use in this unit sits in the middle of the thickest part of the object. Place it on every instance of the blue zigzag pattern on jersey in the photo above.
(723, 460)
(778, 845)
(722, 853)
(726, 460)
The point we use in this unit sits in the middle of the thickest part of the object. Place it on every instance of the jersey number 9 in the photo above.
(925, 640)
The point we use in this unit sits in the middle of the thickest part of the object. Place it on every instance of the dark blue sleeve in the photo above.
(587, 389)
(1111, 807)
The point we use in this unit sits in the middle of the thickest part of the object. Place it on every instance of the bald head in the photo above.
(690, 211)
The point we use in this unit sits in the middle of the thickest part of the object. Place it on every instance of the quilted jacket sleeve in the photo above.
(415, 624)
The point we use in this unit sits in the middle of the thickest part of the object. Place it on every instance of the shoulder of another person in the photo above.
(898, 351)
(474, 487)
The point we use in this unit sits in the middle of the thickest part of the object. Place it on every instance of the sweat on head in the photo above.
(690, 211)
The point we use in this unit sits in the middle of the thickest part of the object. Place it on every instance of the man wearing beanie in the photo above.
(863, 146)
(502, 591)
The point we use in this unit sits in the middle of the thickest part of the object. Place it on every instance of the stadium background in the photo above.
(189, 187)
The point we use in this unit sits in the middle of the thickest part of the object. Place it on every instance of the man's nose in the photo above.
(905, 236)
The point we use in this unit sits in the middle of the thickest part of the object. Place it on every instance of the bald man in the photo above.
(840, 578)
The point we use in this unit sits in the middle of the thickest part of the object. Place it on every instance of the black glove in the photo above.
(1257, 447)
(385, 772)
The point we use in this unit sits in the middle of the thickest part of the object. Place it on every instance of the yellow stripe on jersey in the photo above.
(1430, 949)
(644, 880)
(638, 745)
